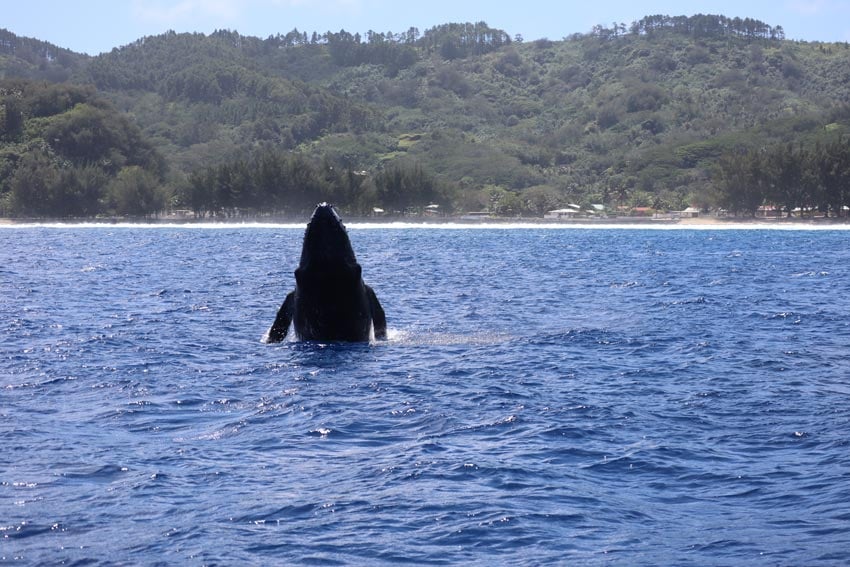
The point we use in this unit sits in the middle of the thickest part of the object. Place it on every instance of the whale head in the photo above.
(326, 245)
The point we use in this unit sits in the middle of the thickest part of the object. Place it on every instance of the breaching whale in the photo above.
(330, 301)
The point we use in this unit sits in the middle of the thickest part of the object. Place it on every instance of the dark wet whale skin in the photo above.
(330, 301)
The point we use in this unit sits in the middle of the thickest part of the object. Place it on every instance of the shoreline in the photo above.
(695, 222)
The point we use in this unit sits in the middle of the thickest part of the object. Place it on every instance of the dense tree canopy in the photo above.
(788, 178)
(291, 184)
(63, 147)
(655, 113)
(708, 25)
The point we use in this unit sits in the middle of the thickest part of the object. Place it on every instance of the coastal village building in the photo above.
(573, 211)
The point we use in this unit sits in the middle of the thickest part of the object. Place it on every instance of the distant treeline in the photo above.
(453, 41)
(398, 51)
(786, 178)
(700, 25)
(708, 25)
(286, 183)
(27, 56)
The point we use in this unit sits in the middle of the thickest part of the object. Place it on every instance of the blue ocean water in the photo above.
(566, 396)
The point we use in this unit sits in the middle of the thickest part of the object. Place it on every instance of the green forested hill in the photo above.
(462, 115)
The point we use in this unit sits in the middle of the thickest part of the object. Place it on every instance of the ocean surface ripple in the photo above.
(626, 397)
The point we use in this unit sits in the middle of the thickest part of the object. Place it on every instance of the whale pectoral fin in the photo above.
(379, 319)
(281, 323)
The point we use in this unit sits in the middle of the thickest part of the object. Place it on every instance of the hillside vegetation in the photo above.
(463, 115)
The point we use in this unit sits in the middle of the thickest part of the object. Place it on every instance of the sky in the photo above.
(96, 26)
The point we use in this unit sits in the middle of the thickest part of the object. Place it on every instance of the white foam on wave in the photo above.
(425, 338)
(165, 225)
(595, 226)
